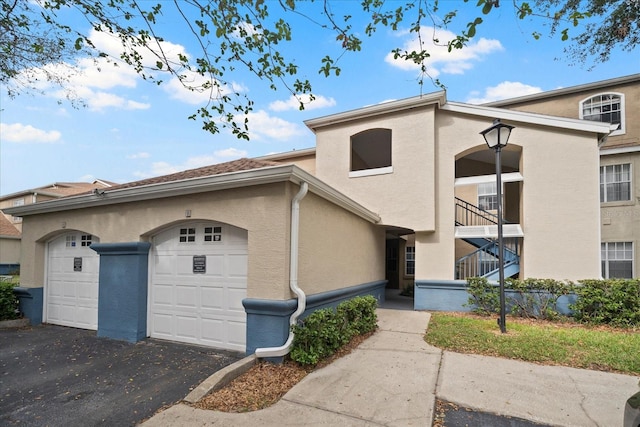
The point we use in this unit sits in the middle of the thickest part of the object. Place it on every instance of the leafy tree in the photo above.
(252, 35)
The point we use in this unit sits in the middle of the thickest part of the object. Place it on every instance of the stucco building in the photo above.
(615, 101)
(214, 255)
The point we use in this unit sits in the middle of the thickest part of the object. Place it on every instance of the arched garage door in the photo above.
(198, 282)
(72, 281)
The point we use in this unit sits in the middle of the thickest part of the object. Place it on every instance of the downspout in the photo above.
(293, 278)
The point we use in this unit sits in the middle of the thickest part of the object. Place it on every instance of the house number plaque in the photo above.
(199, 264)
(77, 264)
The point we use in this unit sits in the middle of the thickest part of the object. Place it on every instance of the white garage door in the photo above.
(198, 282)
(72, 281)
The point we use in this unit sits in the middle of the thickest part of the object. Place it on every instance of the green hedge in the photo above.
(324, 331)
(8, 302)
(614, 302)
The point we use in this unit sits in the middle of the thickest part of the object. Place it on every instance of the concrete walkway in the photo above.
(393, 378)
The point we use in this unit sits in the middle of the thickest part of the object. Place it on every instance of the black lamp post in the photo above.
(497, 137)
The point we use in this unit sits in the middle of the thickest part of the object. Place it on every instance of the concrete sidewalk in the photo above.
(393, 378)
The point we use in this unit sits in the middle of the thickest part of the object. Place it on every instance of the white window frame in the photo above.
(622, 128)
(488, 190)
(604, 251)
(18, 202)
(410, 256)
(371, 136)
(604, 183)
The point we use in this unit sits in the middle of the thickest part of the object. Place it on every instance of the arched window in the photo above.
(371, 149)
(605, 107)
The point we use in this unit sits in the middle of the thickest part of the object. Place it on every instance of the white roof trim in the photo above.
(532, 118)
(267, 175)
(621, 150)
(438, 98)
(603, 84)
(288, 154)
(482, 179)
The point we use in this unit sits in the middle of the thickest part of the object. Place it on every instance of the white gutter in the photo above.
(293, 277)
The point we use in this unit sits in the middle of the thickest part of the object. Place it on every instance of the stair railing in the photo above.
(468, 214)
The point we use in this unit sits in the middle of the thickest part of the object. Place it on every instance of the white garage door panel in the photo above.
(200, 307)
(72, 296)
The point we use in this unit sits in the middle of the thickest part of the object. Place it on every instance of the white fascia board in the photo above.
(267, 175)
(621, 150)
(288, 154)
(533, 118)
(158, 190)
(438, 98)
(603, 84)
(483, 179)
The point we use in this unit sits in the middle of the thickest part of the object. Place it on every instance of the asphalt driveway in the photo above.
(58, 376)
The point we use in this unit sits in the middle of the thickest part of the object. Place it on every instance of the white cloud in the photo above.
(141, 155)
(441, 60)
(219, 156)
(195, 89)
(504, 90)
(17, 132)
(262, 125)
(231, 153)
(293, 103)
(99, 101)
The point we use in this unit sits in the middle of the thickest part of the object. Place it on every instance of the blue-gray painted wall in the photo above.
(268, 320)
(30, 303)
(122, 293)
(452, 295)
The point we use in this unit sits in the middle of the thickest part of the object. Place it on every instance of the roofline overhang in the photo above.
(605, 151)
(226, 181)
(287, 154)
(371, 111)
(566, 90)
(599, 128)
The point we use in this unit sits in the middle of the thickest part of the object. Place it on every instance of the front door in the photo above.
(392, 272)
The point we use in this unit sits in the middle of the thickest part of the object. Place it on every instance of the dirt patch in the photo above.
(265, 383)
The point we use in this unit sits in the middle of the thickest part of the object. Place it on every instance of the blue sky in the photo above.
(132, 129)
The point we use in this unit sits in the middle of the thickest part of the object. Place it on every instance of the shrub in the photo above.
(8, 302)
(324, 331)
(536, 298)
(483, 296)
(614, 302)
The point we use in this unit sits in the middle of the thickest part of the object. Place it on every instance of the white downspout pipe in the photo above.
(293, 278)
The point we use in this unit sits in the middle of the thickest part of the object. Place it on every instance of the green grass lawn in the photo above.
(561, 343)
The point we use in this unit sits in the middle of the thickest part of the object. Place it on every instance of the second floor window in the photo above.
(606, 108)
(371, 149)
(615, 183)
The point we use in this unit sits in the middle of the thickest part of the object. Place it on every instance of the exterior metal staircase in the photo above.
(484, 261)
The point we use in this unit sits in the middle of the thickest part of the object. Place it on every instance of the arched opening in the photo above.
(476, 211)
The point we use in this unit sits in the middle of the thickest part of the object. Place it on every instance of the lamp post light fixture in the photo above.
(497, 137)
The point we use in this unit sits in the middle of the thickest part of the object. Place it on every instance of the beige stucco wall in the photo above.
(412, 183)
(307, 163)
(560, 200)
(262, 210)
(9, 250)
(568, 105)
(621, 220)
(337, 248)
